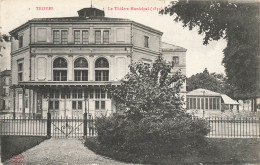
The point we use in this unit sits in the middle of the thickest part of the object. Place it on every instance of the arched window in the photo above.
(81, 69)
(60, 69)
(101, 69)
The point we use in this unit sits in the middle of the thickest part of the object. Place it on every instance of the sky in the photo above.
(14, 13)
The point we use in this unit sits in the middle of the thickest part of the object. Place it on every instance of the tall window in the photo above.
(54, 94)
(98, 37)
(64, 37)
(105, 37)
(77, 94)
(53, 105)
(214, 103)
(76, 104)
(60, 36)
(77, 36)
(100, 105)
(20, 71)
(146, 41)
(101, 69)
(81, 69)
(218, 103)
(60, 69)
(20, 41)
(210, 103)
(202, 103)
(84, 37)
(56, 37)
(198, 103)
(206, 103)
(194, 103)
(175, 59)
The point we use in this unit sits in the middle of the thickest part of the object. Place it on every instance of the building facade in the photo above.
(5, 96)
(60, 64)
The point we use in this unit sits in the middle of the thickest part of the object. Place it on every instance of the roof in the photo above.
(203, 92)
(96, 18)
(228, 100)
(170, 47)
(78, 19)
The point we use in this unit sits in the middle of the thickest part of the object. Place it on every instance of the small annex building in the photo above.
(203, 102)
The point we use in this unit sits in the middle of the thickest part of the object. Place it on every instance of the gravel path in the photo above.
(64, 152)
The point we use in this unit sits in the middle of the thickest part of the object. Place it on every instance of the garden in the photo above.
(155, 129)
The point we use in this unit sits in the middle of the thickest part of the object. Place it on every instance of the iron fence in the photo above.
(52, 127)
(23, 127)
(248, 127)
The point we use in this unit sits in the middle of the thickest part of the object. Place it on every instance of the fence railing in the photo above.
(77, 127)
(248, 127)
(20, 126)
(51, 127)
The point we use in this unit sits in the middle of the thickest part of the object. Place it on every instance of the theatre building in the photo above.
(61, 64)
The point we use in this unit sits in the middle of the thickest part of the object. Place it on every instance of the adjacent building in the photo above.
(5, 96)
(203, 102)
(60, 64)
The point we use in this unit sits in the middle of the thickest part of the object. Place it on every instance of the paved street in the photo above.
(62, 152)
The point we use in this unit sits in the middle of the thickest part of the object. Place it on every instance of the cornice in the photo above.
(146, 50)
(174, 50)
(81, 46)
(19, 28)
(147, 28)
(20, 50)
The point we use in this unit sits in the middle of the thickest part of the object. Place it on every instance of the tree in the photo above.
(211, 81)
(238, 23)
(4, 38)
(147, 91)
(204, 80)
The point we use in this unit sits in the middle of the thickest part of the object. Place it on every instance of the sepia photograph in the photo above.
(117, 82)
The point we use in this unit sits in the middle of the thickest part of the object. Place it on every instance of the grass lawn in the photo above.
(14, 145)
(217, 151)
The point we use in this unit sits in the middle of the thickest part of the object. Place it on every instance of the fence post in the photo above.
(48, 125)
(85, 122)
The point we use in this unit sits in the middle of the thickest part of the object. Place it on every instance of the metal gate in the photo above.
(67, 128)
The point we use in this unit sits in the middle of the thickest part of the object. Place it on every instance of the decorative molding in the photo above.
(91, 55)
(20, 51)
(70, 55)
(112, 55)
(50, 55)
(33, 55)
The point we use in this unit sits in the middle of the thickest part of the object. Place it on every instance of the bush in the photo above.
(152, 138)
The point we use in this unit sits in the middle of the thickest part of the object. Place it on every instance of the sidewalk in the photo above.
(64, 152)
